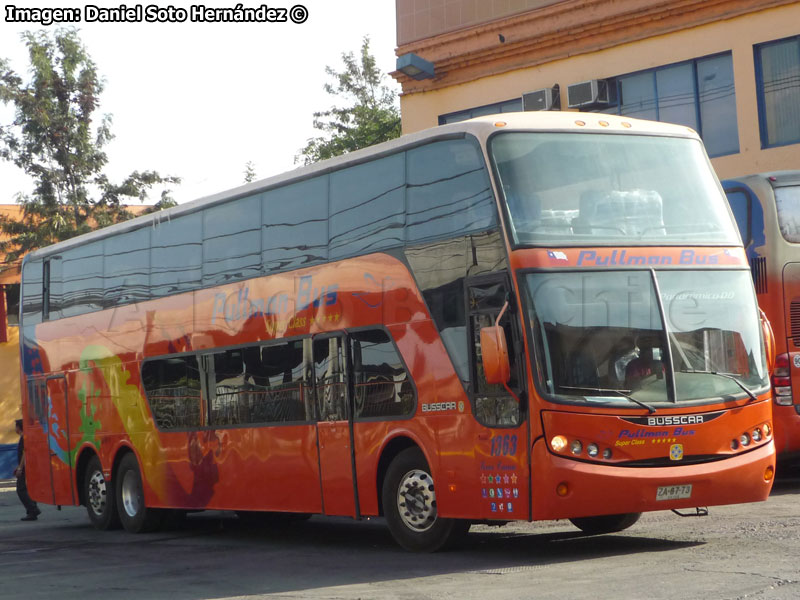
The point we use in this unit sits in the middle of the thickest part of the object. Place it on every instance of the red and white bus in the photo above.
(319, 342)
(767, 210)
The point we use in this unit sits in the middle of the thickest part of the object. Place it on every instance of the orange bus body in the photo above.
(775, 264)
(84, 398)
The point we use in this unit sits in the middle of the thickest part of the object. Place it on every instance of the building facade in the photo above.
(729, 69)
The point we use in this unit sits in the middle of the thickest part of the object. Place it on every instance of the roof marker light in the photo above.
(500, 123)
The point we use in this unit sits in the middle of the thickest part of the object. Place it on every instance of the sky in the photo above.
(200, 100)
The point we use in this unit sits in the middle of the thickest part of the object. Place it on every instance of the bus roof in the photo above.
(775, 178)
(480, 127)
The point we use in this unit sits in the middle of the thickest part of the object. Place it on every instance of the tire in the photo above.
(605, 523)
(135, 516)
(409, 505)
(98, 494)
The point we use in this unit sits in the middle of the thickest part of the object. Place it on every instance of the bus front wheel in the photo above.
(409, 505)
(136, 517)
(605, 523)
(98, 495)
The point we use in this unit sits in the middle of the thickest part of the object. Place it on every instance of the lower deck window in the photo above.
(288, 382)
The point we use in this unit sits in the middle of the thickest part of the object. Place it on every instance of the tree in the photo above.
(371, 116)
(55, 139)
(249, 171)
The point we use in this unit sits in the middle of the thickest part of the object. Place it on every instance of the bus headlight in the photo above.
(558, 443)
(576, 446)
(592, 450)
(744, 439)
(757, 435)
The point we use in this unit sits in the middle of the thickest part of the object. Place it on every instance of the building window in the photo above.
(514, 105)
(698, 93)
(778, 81)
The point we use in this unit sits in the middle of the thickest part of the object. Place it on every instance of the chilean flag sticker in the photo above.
(556, 255)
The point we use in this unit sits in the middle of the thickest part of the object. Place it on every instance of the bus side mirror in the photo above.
(494, 353)
(769, 341)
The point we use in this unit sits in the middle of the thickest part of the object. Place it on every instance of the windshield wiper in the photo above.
(620, 392)
(727, 376)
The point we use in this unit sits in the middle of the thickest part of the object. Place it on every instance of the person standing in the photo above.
(31, 509)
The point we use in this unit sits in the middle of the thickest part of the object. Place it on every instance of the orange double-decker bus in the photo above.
(548, 316)
(767, 210)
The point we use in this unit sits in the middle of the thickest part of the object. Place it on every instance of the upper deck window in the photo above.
(577, 189)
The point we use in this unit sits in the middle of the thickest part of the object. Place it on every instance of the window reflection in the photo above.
(585, 188)
(600, 336)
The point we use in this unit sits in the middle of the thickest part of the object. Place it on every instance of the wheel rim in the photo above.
(131, 494)
(416, 500)
(97, 493)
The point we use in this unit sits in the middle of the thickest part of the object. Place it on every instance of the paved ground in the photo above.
(738, 552)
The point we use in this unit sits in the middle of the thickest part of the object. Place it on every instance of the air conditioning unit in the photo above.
(544, 99)
(596, 92)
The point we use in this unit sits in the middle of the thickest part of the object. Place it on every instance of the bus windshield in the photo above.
(588, 188)
(606, 338)
(787, 201)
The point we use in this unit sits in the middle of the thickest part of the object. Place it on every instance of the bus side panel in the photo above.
(264, 468)
(226, 468)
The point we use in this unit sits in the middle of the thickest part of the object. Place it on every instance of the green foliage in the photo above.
(55, 139)
(371, 116)
(249, 171)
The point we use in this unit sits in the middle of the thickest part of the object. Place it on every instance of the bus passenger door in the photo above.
(334, 427)
(37, 454)
(58, 441)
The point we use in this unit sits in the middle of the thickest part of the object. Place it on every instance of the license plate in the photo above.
(674, 492)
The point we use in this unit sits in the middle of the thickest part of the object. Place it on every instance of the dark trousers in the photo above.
(22, 492)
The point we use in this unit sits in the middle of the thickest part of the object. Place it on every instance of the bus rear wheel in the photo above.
(98, 495)
(409, 505)
(135, 516)
(605, 523)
